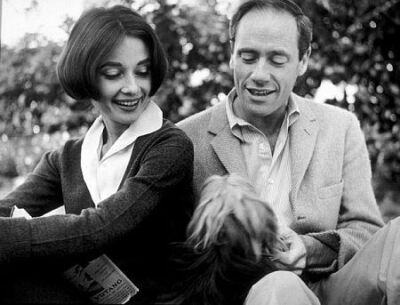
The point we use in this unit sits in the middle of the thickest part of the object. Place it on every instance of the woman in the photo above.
(232, 238)
(128, 180)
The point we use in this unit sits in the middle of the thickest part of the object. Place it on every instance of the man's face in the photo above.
(265, 63)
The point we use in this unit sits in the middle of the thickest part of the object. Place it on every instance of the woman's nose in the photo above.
(130, 86)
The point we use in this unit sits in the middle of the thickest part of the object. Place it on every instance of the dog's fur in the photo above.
(231, 238)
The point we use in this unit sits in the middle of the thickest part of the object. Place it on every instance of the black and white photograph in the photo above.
(200, 152)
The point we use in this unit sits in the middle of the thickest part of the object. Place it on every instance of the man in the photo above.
(308, 160)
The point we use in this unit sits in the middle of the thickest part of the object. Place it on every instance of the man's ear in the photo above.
(232, 44)
(304, 62)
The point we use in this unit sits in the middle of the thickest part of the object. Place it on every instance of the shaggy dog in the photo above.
(231, 240)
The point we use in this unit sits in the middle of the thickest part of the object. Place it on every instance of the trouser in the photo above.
(371, 277)
(281, 288)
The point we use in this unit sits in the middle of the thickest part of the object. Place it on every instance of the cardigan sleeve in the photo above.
(359, 217)
(41, 190)
(167, 164)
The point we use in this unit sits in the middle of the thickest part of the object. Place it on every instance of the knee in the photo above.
(281, 287)
(286, 279)
(395, 222)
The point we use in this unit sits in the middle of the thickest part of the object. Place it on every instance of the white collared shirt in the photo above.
(269, 173)
(103, 176)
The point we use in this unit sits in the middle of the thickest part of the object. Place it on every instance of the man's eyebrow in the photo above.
(247, 50)
(279, 52)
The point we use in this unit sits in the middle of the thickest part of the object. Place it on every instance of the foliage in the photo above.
(31, 99)
(19, 155)
(197, 45)
(353, 51)
(354, 48)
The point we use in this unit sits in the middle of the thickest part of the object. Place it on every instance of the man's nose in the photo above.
(261, 72)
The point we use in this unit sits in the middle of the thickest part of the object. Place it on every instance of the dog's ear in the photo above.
(231, 212)
(255, 225)
(234, 236)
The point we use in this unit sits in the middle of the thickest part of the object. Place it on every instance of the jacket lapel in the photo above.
(303, 135)
(225, 144)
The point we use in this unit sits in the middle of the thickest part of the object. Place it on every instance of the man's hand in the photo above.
(291, 254)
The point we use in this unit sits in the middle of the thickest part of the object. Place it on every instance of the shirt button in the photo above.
(262, 147)
(263, 170)
(263, 150)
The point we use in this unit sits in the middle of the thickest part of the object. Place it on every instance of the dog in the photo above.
(231, 239)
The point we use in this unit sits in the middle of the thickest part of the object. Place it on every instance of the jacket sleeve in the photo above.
(166, 165)
(359, 217)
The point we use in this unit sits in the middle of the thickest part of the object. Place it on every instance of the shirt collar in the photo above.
(235, 122)
(293, 111)
(233, 119)
(149, 121)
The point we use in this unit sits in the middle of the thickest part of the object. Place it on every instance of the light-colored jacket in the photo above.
(331, 198)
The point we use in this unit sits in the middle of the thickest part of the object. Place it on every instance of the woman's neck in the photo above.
(110, 136)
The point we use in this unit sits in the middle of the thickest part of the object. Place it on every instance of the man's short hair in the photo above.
(94, 36)
(304, 25)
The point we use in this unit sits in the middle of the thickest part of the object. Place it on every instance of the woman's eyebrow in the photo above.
(118, 64)
(144, 61)
(110, 64)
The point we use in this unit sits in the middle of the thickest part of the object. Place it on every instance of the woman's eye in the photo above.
(143, 71)
(111, 73)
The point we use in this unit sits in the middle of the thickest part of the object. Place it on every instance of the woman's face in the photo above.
(124, 82)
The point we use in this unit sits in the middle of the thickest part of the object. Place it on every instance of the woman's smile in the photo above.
(128, 104)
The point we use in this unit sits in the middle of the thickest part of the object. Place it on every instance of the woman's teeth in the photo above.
(128, 103)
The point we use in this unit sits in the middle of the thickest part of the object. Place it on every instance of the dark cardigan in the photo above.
(133, 226)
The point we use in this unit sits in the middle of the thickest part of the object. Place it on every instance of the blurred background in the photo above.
(354, 65)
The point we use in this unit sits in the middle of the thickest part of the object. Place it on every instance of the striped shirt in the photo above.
(269, 173)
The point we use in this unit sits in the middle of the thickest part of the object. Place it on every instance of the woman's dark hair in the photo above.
(94, 36)
(304, 25)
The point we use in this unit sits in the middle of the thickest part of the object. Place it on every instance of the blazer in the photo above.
(332, 200)
(133, 227)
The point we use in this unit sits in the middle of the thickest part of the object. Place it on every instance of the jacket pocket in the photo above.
(330, 191)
